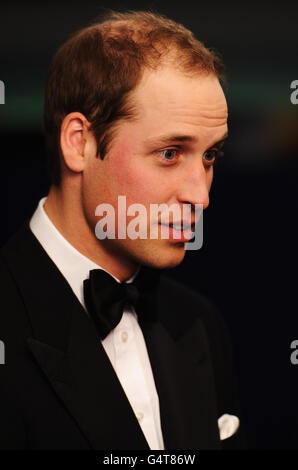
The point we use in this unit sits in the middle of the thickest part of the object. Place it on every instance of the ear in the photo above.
(74, 131)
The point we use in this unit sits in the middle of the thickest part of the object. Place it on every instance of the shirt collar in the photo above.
(73, 265)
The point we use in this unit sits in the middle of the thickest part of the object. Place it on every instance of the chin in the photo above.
(153, 255)
(163, 259)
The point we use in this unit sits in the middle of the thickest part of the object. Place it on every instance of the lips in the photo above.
(175, 235)
(182, 225)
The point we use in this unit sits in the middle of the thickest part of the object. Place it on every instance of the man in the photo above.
(133, 108)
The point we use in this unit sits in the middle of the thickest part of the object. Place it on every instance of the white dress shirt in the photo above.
(125, 345)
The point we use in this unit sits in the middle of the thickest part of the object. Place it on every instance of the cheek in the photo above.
(133, 178)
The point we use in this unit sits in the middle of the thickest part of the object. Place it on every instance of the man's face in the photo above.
(164, 156)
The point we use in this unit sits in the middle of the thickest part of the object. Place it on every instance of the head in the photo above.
(134, 107)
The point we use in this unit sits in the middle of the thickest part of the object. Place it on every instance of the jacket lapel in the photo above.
(180, 360)
(65, 345)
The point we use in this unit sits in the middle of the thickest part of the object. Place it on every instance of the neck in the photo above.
(65, 211)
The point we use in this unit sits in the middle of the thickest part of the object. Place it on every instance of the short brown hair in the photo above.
(94, 71)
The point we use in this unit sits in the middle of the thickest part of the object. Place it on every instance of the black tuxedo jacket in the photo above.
(58, 389)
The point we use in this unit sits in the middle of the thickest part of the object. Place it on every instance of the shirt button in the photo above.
(124, 336)
(140, 416)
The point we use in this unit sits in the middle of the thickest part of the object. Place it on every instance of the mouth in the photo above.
(182, 225)
(177, 232)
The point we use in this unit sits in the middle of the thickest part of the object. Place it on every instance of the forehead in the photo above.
(169, 95)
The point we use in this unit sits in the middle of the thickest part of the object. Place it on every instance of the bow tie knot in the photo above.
(105, 298)
(131, 293)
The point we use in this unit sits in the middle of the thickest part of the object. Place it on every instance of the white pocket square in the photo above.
(227, 425)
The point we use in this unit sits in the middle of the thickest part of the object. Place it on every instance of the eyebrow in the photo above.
(171, 138)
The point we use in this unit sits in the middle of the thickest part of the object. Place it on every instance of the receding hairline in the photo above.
(113, 25)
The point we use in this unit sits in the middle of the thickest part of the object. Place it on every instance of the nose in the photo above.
(196, 185)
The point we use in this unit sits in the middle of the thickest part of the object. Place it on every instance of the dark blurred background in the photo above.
(248, 262)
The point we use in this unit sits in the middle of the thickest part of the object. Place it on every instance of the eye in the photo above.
(169, 155)
(211, 155)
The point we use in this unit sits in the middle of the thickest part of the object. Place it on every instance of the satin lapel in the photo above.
(66, 347)
(184, 380)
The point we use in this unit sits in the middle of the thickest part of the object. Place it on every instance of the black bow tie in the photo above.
(105, 298)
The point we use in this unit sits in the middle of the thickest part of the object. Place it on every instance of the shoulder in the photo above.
(17, 243)
(10, 256)
(14, 321)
